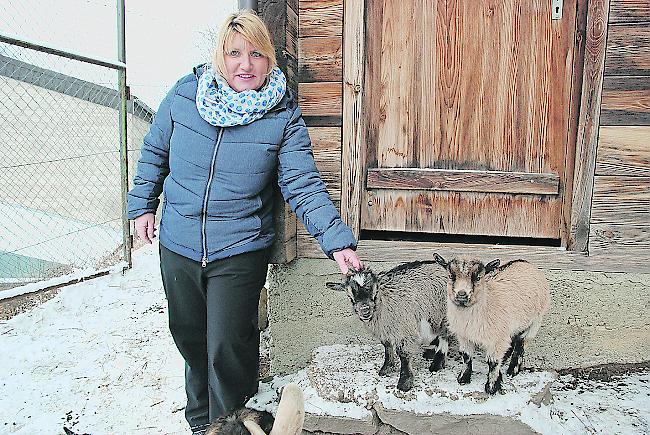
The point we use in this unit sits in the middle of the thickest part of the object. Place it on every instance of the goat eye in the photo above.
(452, 276)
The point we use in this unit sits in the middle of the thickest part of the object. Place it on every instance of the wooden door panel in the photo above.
(463, 180)
(460, 213)
(467, 85)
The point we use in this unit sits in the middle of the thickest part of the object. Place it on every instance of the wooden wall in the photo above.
(320, 72)
(620, 209)
(619, 220)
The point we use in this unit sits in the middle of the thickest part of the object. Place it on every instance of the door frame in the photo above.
(582, 136)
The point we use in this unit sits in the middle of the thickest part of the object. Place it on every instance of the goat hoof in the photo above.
(513, 370)
(405, 384)
(385, 371)
(493, 387)
(464, 377)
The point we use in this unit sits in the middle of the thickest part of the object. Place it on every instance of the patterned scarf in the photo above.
(222, 106)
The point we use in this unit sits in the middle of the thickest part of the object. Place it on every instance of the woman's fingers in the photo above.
(144, 227)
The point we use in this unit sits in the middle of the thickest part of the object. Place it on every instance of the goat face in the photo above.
(361, 286)
(465, 279)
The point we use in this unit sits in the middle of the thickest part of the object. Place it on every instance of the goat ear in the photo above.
(441, 261)
(253, 427)
(492, 265)
(291, 412)
(335, 286)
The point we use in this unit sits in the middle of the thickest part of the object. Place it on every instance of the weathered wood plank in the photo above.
(544, 257)
(626, 100)
(632, 240)
(321, 59)
(353, 126)
(323, 121)
(628, 49)
(326, 143)
(624, 151)
(587, 136)
(463, 180)
(278, 16)
(629, 11)
(621, 200)
(574, 116)
(320, 99)
(292, 33)
(461, 213)
(321, 18)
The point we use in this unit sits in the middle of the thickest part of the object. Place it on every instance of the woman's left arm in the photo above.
(303, 189)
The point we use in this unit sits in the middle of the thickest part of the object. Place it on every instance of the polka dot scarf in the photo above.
(222, 106)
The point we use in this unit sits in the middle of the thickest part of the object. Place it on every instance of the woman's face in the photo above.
(245, 65)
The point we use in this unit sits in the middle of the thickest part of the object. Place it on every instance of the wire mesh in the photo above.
(60, 191)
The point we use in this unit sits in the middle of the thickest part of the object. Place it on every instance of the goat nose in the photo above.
(461, 295)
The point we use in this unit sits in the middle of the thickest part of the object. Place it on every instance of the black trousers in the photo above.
(213, 320)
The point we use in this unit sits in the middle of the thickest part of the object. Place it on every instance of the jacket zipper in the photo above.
(204, 214)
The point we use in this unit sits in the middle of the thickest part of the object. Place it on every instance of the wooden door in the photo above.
(465, 119)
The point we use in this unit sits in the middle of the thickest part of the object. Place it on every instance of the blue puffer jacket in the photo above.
(218, 182)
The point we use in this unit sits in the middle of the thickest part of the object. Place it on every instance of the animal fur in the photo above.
(494, 307)
(404, 308)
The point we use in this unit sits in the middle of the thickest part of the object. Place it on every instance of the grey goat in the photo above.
(404, 308)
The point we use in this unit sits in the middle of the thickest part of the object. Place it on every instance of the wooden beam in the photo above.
(543, 256)
(281, 19)
(321, 59)
(464, 180)
(352, 163)
(321, 18)
(326, 143)
(629, 11)
(574, 115)
(621, 200)
(626, 100)
(320, 99)
(587, 136)
(630, 240)
(628, 49)
(624, 151)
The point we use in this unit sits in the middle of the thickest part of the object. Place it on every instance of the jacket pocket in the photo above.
(232, 223)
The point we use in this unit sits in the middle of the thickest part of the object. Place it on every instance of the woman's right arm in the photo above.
(153, 165)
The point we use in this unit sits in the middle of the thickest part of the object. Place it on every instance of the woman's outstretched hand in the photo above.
(345, 258)
(144, 226)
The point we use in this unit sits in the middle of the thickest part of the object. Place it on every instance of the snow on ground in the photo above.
(98, 359)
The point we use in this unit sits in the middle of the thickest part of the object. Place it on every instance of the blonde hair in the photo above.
(251, 28)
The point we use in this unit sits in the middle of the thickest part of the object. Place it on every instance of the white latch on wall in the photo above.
(556, 12)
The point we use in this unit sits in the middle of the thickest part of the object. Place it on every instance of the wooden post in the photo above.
(351, 147)
(282, 20)
(587, 140)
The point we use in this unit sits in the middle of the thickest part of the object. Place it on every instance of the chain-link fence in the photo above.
(61, 199)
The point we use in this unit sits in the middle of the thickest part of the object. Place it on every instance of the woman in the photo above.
(222, 137)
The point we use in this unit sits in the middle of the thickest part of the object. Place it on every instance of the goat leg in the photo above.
(440, 355)
(466, 350)
(494, 378)
(517, 359)
(389, 359)
(405, 382)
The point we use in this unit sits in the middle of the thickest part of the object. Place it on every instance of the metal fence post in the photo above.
(124, 156)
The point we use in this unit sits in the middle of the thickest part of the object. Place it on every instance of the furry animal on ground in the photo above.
(404, 308)
(495, 307)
